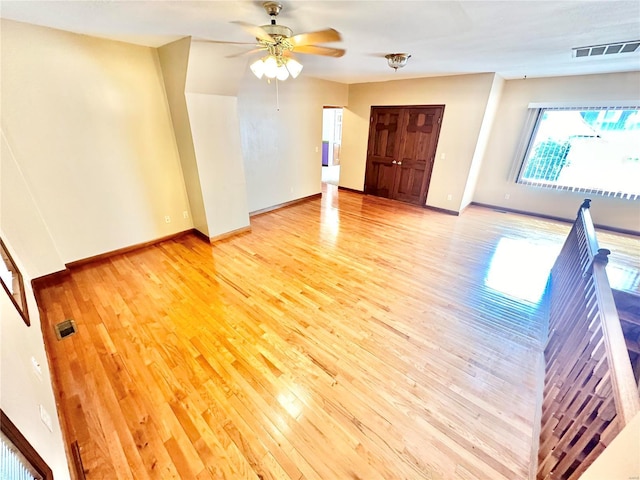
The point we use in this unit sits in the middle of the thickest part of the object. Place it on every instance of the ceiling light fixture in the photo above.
(397, 60)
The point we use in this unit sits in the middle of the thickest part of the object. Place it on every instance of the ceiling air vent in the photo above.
(608, 49)
(64, 329)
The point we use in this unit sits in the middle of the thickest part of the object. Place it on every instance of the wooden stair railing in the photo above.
(590, 392)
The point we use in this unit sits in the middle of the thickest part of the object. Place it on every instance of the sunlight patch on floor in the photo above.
(520, 268)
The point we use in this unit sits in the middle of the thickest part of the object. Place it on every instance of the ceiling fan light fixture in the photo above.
(273, 66)
(282, 73)
(294, 67)
(270, 67)
(397, 60)
(257, 68)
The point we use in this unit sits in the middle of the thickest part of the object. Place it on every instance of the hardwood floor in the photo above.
(345, 338)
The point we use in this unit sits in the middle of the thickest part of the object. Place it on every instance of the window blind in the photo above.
(12, 465)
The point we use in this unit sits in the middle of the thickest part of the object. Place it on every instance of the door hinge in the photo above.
(439, 119)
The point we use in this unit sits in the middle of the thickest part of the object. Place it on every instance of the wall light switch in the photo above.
(46, 418)
(37, 370)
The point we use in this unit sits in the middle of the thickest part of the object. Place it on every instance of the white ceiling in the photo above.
(513, 38)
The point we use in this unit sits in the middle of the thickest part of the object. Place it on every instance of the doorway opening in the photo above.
(331, 140)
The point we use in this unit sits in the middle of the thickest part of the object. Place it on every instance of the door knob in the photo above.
(394, 162)
(399, 163)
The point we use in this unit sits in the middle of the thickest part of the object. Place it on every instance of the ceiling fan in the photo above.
(279, 43)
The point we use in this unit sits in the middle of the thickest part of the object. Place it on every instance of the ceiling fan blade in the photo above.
(258, 32)
(315, 50)
(249, 52)
(321, 36)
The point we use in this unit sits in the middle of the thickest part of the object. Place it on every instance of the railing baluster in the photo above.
(590, 392)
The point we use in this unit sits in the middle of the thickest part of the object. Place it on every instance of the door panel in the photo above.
(408, 183)
(384, 143)
(401, 151)
(417, 150)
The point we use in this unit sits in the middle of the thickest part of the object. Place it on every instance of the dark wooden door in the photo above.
(401, 153)
(382, 155)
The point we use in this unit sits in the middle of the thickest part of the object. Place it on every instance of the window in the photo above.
(591, 150)
(12, 283)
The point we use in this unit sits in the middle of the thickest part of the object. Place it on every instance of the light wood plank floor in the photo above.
(345, 338)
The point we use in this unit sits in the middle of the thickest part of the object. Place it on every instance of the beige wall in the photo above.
(621, 459)
(211, 91)
(465, 98)
(211, 71)
(89, 126)
(22, 392)
(216, 140)
(282, 148)
(494, 180)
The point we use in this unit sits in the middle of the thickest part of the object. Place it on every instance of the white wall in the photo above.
(282, 148)
(216, 139)
(211, 88)
(465, 98)
(483, 139)
(494, 180)
(621, 459)
(88, 123)
(22, 392)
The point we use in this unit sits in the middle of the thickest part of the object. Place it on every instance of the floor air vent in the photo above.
(64, 329)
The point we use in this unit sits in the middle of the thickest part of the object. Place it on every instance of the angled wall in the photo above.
(216, 138)
(174, 60)
(211, 91)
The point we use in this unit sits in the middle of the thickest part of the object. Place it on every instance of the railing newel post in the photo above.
(585, 204)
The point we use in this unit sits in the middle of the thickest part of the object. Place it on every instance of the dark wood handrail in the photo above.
(625, 389)
(590, 393)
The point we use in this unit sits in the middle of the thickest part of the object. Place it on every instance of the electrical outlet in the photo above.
(46, 418)
(37, 370)
(449, 197)
(185, 214)
(317, 149)
(507, 196)
(442, 156)
(167, 219)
